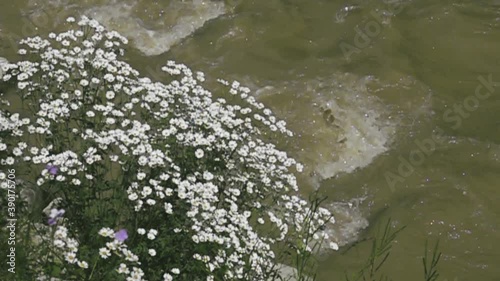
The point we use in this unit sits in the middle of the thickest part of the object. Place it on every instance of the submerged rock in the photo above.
(287, 273)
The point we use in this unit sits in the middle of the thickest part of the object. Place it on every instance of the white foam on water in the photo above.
(153, 27)
(179, 20)
(363, 133)
(341, 15)
(340, 126)
(349, 221)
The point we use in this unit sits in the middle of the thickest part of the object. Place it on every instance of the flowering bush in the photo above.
(145, 180)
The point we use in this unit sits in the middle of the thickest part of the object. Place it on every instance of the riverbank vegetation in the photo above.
(116, 177)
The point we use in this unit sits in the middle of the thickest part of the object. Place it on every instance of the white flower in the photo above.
(208, 176)
(83, 264)
(141, 176)
(143, 160)
(40, 181)
(70, 257)
(17, 152)
(175, 271)
(59, 243)
(106, 232)
(9, 161)
(169, 208)
(167, 277)
(22, 85)
(22, 76)
(110, 95)
(334, 246)
(141, 231)
(199, 153)
(104, 253)
(152, 234)
(129, 256)
(123, 269)
(110, 121)
(152, 252)
(84, 82)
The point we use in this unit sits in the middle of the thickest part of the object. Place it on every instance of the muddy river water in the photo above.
(394, 104)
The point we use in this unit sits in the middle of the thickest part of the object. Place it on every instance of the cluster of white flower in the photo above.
(119, 248)
(68, 246)
(182, 151)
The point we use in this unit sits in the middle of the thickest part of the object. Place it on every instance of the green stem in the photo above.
(93, 268)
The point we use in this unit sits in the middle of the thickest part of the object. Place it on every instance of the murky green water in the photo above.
(392, 120)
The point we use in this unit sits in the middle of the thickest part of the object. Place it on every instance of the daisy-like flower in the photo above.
(59, 243)
(123, 269)
(84, 82)
(199, 153)
(152, 234)
(104, 253)
(83, 264)
(70, 257)
(175, 271)
(110, 95)
(208, 176)
(106, 232)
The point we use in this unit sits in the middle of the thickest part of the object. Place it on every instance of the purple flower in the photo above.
(54, 214)
(121, 235)
(52, 169)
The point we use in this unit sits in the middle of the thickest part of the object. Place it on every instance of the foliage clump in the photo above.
(145, 180)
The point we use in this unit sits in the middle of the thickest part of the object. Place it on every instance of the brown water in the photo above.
(392, 91)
